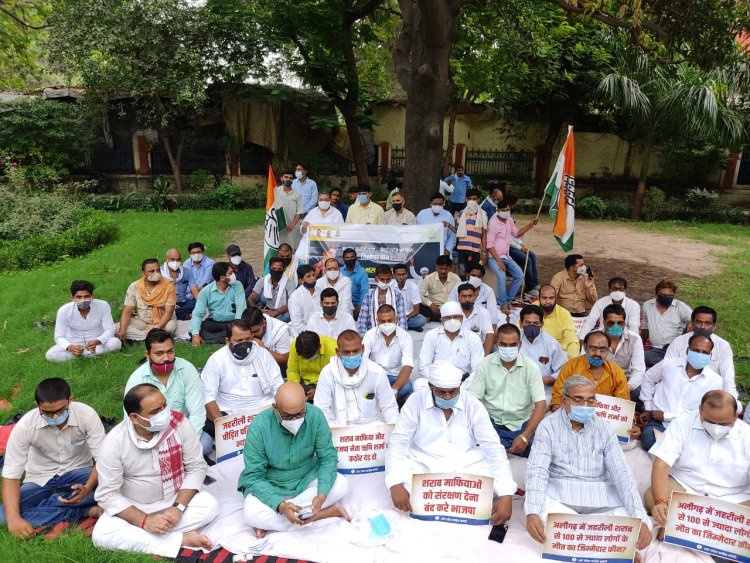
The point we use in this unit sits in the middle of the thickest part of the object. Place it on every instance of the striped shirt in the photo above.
(472, 242)
(584, 469)
(279, 464)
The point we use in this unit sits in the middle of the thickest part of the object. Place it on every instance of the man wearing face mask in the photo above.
(353, 390)
(83, 327)
(385, 292)
(509, 385)
(450, 342)
(664, 319)
(675, 386)
(436, 214)
(443, 429)
(323, 214)
(703, 320)
(332, 279)
(330, 320)
(217, 305)
(243, 271)
(499, 232)
(177, 379)
(471, 233)
(173, 271)
(558, 323)
(476, 318)
(608, 377)
(575, 286)
(149, 303)
(271, 292)
(152, 507)
(461, 185)
(197, 269)
(364, 211)
(398, 214)
(358, 276)
(617, 288)
(485, 294)
(237, 378)
(702, 453)
(290, 465)
(304, 302)
(540, 347)
(288, 203)
(626, 347)
(489, 204)
(52, 445)
(392, 348)
(306, 187)
(577, 467)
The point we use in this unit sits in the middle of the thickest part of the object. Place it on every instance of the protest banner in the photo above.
(460, 498)
(709, 525)
(578, 323)
(376, 244)
(361, 449)
(619, 413)
(590, 538)
(231, 431)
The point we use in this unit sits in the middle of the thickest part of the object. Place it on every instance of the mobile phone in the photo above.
(498, 533)
(589, 272)
(69, 494)
(305, 512)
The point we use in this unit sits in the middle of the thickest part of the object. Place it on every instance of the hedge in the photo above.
(94, 229)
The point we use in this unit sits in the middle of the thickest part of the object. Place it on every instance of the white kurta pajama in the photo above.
(72, 328)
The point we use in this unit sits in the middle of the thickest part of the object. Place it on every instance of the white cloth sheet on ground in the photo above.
(330, 541)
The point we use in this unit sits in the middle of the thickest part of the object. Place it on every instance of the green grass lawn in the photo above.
(33, 296)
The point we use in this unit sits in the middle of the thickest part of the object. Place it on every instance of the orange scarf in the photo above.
(162, 294)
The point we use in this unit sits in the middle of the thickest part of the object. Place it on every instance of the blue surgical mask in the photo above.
(352, 362)
(362, 199)
(697, 359)
(581, 414)
(595, 362)
(445, 403)
(56, 421)
(615, 331)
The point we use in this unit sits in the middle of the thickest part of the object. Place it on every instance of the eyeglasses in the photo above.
(296, 416)
(591, 348)
(590, 402)
(55, 414)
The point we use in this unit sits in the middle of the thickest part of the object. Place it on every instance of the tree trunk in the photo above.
(422, 56)
(544, 156)
(627, 167)
(174, 159)
(355, 141)
(640, 190)
(451, 139)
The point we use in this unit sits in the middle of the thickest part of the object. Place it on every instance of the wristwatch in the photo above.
(180, 507)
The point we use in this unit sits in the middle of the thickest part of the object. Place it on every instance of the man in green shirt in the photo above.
(218, 303)
(510, 387)
(290, 474)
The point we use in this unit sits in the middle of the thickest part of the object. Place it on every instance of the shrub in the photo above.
(93, 229)
(227, 196)
(698, 199)
(200, 180)
(162, 198)
(654, 203)
(591, 207)
(23, 215)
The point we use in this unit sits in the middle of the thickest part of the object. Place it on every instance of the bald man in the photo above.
(173, 271)
(704, 453)
(290, 475)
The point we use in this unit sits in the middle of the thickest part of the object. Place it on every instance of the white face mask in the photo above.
(154, 278)
(508, 354)
(617, 295)
(503, 214)
(472, 207)
(158, 422)
(452, 325)
(231, 280)
(293, 426)
(716, 431)
(174, 265)
(324, 205)
(386, 329)
(382, 285)
(197, 257)
(332, 275)
(581, 270)
(474, 281)
(236, 260)
(436, 209)
(298, 174)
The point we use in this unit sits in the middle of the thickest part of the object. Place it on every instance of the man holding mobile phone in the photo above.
(575, 286)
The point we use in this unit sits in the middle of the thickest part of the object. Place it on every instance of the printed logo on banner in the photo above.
(589, 538)
(459, 498)
(231, 431)
(361, 449)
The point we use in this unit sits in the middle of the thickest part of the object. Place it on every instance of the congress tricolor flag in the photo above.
(275, 221)
(561, 190)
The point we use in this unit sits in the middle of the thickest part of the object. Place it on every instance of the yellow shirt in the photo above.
(305, 371)
(559, 325)
(572, 295)
(369, 215)
(612, 381)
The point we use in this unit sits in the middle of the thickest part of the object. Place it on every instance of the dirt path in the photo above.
(611, 249)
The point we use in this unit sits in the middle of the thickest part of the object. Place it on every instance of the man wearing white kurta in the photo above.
(330, 320)
(485, 294)
(269, 333)
(323, 214)
(476, 318)
(83, 327)
(617, 289)
(340, 283)
(150, 473)
(392, 348)
(304, 302)
(353, 390)
(440, 429)
(450, 342)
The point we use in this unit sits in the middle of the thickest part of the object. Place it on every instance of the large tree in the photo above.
(21, 25)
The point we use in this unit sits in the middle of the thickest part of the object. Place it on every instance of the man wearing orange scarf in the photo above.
(149, 303)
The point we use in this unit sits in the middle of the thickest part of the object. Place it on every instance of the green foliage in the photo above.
(591, 207)
(225, 196)
(23, 215)
(687, 159)
(162, 195)
(21, 28)
(654, 202)
(200, 180)
(698, 199)
(91, 230)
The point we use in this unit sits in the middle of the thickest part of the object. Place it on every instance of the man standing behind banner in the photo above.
(442, 430)
(398, 214)
(436, 214)
(323, 214)
(365, 211)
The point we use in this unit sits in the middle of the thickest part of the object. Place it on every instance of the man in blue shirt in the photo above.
(220, 302)
(336, 202)
(173, 270)
(461, 183)
(490, 202)
(198, 268)
(307, 188)
(358, 277)
(436, 214)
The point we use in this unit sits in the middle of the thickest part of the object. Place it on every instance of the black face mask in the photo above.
(287, 261)
(467, 305)
(664, 300)
(398, 206)
(707, 332)
(242, 350)
(330, 310)
(547, 308)
(350, 263)
(286, 182)
(276, 275)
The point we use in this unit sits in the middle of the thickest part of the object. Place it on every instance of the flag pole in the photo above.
(526, 260)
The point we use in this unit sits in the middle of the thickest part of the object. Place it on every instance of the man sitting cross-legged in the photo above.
(290, 466)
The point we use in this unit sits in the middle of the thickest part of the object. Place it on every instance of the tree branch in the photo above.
(20, 21)
(357, 13)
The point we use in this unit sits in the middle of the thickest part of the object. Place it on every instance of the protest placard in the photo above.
(619, 413)
(709, 525)
(590, 538)
(460, 498)
(231, 431)
(361, 449)
(376, 244)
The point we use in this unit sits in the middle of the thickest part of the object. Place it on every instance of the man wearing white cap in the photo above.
(442, 430)
(451, 342)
